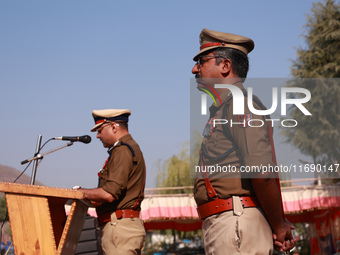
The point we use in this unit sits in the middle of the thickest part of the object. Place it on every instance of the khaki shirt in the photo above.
(121, 177)
(253, 149)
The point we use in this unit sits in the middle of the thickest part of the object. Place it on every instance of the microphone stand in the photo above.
(40, 156)
(35, 164)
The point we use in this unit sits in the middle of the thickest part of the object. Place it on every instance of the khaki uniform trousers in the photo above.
(123, 236)
(239, 231)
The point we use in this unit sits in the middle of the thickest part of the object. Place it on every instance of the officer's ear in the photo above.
(226, 67)
(115, 125)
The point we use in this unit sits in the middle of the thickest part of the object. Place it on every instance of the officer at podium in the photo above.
(121, 184)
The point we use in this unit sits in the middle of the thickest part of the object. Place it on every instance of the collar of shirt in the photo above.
(111, 148)
(123, 139)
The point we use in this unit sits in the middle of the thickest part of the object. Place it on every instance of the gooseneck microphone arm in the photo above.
(40, 156)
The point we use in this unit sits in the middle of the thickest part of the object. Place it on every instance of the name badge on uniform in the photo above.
(209, 127)
(207, 130)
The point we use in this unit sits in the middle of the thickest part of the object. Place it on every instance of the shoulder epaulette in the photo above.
(134, 159)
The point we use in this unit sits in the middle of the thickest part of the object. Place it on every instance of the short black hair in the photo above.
(239, 60)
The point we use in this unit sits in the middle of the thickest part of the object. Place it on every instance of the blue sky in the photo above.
(59, 60)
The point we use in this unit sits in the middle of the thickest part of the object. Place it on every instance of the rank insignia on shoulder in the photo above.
(243, 120)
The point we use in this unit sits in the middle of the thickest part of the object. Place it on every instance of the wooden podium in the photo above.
(39, 224)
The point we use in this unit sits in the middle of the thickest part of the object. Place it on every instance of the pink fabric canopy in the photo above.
(160, 207)
(296, 200)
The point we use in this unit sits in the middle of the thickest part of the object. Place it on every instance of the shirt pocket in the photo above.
(103, 177)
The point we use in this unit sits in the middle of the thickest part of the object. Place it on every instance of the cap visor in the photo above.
(204, 50)
(94, 129)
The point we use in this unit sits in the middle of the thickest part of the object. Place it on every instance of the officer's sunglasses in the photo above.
(201, 62)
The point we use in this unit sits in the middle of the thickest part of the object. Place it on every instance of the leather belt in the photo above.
(223, 205)
(126, 213)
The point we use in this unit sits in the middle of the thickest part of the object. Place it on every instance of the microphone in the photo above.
(83, 139)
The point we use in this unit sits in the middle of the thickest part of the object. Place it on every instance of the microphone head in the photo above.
(85, 139)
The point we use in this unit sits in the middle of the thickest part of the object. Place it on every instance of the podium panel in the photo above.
(30, 224)
(38, 220)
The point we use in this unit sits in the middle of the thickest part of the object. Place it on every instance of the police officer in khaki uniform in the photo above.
(242, 213)
(121, 185)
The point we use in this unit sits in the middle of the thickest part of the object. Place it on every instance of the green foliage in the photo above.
(319, 135)
(3, 208)
(321, 59)
(175, 171)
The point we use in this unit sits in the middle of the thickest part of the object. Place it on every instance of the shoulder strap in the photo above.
(134, 159)
(210, 189)
(137, 203)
